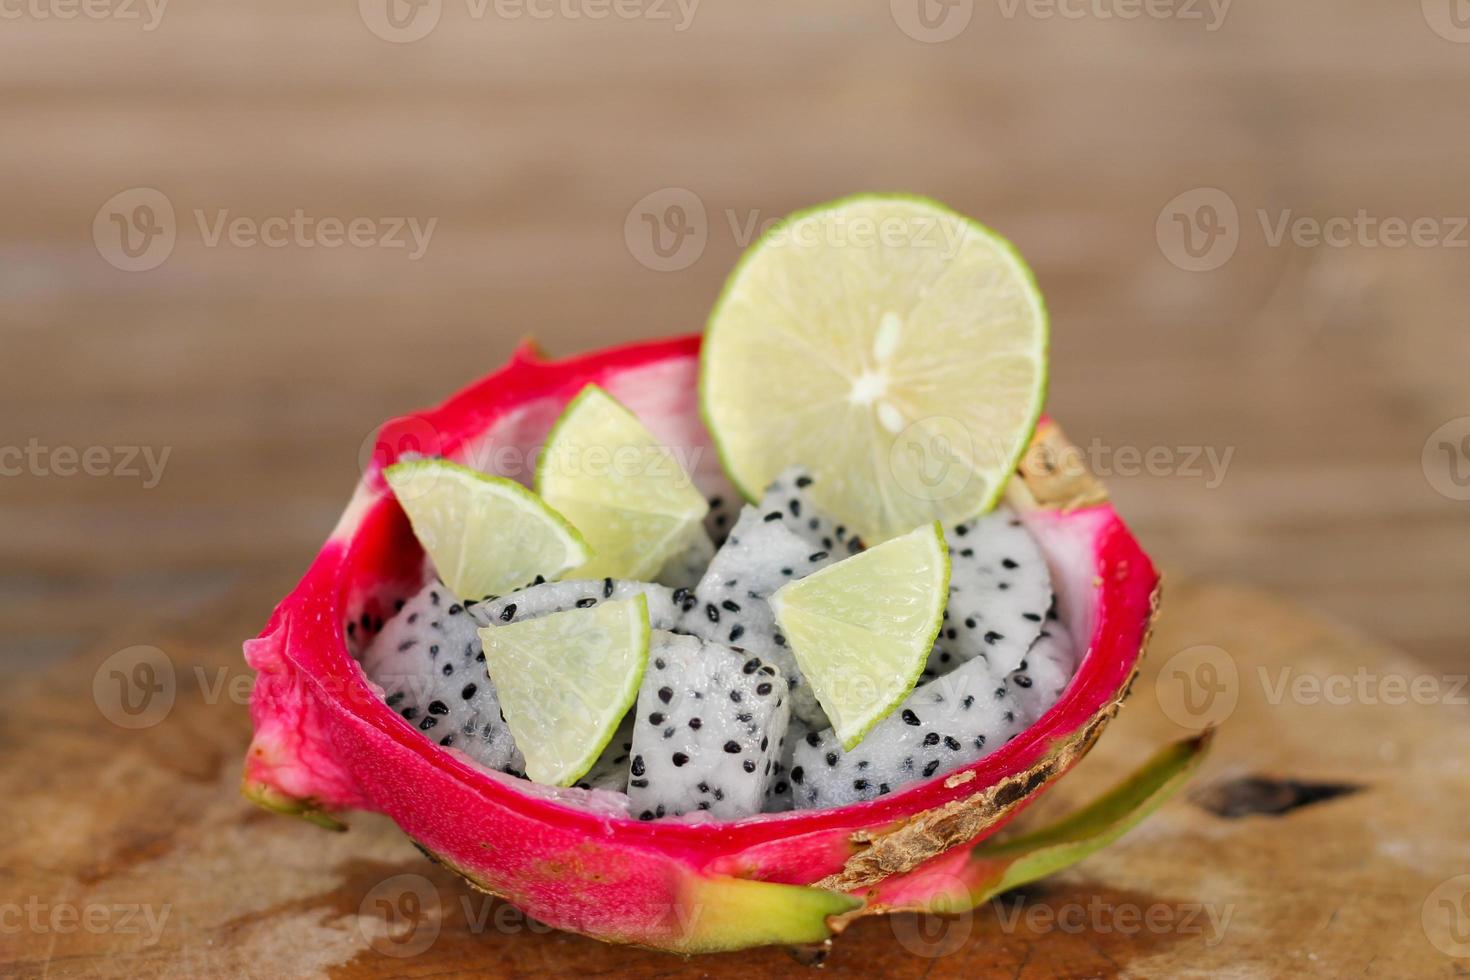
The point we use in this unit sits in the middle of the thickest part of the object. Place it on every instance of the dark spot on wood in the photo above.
(1273, 797)
(812, 955)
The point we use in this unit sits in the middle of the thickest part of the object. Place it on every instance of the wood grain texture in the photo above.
(149, 819)
(1322, 370)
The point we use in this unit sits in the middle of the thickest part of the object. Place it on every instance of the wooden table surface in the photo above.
(136, 857)
(1292, 414)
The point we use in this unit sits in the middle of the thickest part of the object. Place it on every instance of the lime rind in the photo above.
(519, 700)
(480, 487)
(850, 732)
(751, 489)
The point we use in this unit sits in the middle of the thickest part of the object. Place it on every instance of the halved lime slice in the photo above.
(893, 346)
(486, 534)
(862, 629)
(566, 680)
(613, 479)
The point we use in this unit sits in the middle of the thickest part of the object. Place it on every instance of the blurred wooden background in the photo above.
(529, 141)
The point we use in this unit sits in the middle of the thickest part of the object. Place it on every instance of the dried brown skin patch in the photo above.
(1055, 473)
(932, 832)
(1236, 798)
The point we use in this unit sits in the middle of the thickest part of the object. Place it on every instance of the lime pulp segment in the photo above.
(566, 680)
(485, 534)
(862, 629)
(613, 479)
(893, 346)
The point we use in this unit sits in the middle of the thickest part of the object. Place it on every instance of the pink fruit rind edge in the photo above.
(325, 742)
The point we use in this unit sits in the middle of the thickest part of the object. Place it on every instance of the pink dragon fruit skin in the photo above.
(325, 742)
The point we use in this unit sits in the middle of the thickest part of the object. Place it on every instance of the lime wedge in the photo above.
(486, 534)
(612, 478)
(862, 629)
(565, 682)
(893, 346)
